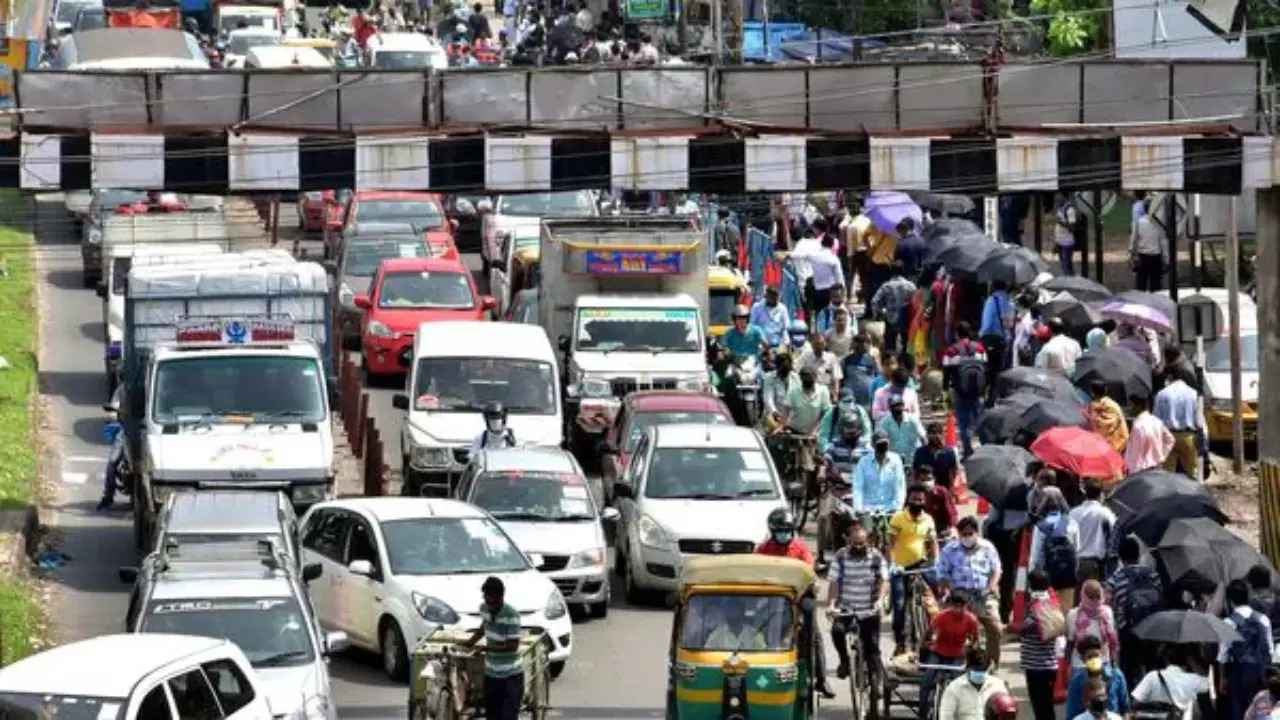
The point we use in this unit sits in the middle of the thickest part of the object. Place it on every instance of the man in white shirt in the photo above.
(1175, 684)
(1096, 523)
(823, 363)
(1064, 234)
(1244, 661)
(1060, 351)
(828, 274)
(1148, 251)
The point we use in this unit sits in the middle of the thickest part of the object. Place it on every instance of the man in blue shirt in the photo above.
(860, 370)
(996, 332)
(972, 564)
(879, 482)
(772, 317)
(743, 339)
(825, 319)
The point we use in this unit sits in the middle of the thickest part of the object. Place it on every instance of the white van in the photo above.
(406, 51)
(281, 57)
(458, 368)
(1217, 358)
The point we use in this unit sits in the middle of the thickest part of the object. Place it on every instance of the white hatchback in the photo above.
(398, 568)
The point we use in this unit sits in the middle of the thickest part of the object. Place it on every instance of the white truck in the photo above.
(228, 382)
(106, 232)
(625, 299)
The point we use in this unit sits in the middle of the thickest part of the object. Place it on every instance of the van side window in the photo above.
(155, 706)
(233, 689)
(193, 697)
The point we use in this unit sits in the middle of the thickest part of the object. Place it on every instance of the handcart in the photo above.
(447, 680)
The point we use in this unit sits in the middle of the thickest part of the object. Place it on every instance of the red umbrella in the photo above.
(1081, 452)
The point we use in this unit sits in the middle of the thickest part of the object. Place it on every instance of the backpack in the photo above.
(1268, 604)
(971, 373)
(1060, 562)
(1156, 709)
(1050, 621)
(1142, 597)
(1252, 650)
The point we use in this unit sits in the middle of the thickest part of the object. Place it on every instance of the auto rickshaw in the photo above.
(739, 645)
(728, 288)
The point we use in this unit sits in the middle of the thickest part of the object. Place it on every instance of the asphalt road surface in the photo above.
(618, 665)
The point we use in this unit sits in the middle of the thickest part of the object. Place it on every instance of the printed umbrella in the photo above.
(996, 472)
(1009, 266)
(1185, 627)
(1080, 287)
(886, 209)
(1120, 369)
(1127, 311)
(1200, 552)
(1081, 452)
(1072, 312)
(1143, 488)
(1046, 384)
(1045, 414)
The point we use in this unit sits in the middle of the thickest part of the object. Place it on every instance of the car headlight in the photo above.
(94, 236)
(379, 329)
(555, 606)
(1221, 404)
(652, 534)
(434, 610)
(315, 707)
(590, 387)
(587, 558)
(347, 296)
(305, 494)
(430, 457)
(694, 385)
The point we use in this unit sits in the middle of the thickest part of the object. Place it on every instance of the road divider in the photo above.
(362, 431)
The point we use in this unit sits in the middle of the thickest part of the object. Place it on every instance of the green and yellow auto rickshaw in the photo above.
(740, 649)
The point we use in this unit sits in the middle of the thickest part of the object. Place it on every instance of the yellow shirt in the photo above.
(911, 538)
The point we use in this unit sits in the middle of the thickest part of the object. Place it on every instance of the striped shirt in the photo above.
(1034, 653)
(501, 627)
(1118, 585)
(858, 580)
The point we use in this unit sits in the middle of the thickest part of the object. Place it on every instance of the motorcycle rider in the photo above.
(496, 434)
(783, 542)
(744, 340)
(839, 459)
(115, 433)
(879, 481)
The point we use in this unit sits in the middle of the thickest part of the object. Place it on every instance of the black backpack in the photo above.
(1252, 649)
(971, 373)
(1060, 561)
(1142, 597)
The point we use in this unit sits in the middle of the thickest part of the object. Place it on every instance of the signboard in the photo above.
(633, 262)
(646, 9)
(234, 331)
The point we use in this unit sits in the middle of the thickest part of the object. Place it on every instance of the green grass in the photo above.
(20, 620)
(18, 385)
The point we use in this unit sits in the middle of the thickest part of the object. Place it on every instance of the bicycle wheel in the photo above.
(917, 620)
(856, 680)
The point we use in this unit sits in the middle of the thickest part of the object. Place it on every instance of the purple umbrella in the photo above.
(886, 209)
(1127, 311)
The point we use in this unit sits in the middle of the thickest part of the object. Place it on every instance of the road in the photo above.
(618, 665)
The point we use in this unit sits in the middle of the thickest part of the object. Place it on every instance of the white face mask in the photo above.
(969, 542)
(928, 484)
(494, 424)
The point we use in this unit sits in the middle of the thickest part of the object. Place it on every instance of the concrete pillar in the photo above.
(1268, 275)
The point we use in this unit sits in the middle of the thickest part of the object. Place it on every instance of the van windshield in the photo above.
(31, 706)
(453, 384)
(266, 388)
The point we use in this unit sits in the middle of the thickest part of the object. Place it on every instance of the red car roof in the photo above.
(675, 401)
(436, 264)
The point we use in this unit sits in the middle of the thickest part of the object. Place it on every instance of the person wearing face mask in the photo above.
(806, 405)
(1267, 699)
(904, 430)
(937, 456)
(879, 481)
(856, 589)
(971, 564)
(1096, 691)
(1243, 661)
(966, 697)
(950, 632)
(913, 544)
(744, 340)
(496, 434)
(771, 316)
(1096, 669)
(938, 503)
(776, 391)
(1043, 625)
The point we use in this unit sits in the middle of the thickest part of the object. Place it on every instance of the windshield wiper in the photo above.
(699, 496)
(756, 492)
(574, 518)
(280, 658)
(514, 515)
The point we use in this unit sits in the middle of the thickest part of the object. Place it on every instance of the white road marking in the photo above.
(74, 478)
(85, 459)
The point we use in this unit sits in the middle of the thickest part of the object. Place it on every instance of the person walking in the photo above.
(1244, 660)
(1096, 668)
(828, 272)
(971, 563)
(1037, 653)
(903, 430)
(996, 332)
(1097, 693)
(503, 668)
(911, 249)
(888, 304)
(1148, 253)
(841, 334)
(1134, 593)
(935, 455)
(1092, 618)
(1107, 418)
(964, 368)
(1149, 440)
(1060, 352)
(1176, 686)
(1181, 409)
(1064, 233)
(1096, 523)
(1055, 543)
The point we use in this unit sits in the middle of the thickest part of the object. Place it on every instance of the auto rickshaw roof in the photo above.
(722, 278)
(748, 570)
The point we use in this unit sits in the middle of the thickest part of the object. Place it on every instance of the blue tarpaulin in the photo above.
(793, 41)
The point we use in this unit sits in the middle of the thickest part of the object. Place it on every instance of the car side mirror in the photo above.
(623, 490)
(607, 448)
(489, 303)
(364, 302)
(563, 343)
(336, 642)
(127, 575)
(400, 401)
(610, 515)
(361, 567)
(312, 571)
(101, 290)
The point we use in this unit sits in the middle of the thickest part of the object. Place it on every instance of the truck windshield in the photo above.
(452, 384)
(38, 706)
(272, 632)
(652, 330)
(572, 203)
(268, 388)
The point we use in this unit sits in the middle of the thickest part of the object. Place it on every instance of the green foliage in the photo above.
(1075, 26)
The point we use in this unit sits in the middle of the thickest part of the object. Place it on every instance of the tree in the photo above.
(1076, 26)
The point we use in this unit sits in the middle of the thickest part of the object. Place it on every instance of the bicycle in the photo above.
(800, 475)
(879, 529)
(914, 589)
(944, 675)
(864, 677)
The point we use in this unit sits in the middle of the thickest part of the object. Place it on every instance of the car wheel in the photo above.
(395, 655)
(599, 610)
(556, 669)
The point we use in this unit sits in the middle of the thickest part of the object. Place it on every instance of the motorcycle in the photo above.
(748, 388)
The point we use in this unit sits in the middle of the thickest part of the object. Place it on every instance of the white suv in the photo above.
(135, 677)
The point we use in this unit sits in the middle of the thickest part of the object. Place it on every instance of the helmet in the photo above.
(1001, 706)
(798, 326)
(741, 311)
(781, 520)
(495, 411)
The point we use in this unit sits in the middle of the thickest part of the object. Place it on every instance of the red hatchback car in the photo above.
(645, 408)
(423, 211)
(405, 293)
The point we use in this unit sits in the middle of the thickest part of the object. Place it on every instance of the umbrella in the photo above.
(1080, 287)
(1164, 305)
(1045, 414)
(886, 209)
(1185, 627)
(995, 472)
(1142, 488)
(1199, 551)
(1120, 369)
(1133, 313)
(1072, 312)
(1000, 423)
(1009, 266)
(1032, 257)
(1150, 521)
(941, 204)
(1046, 384)
(966, 254)
(1083, 453)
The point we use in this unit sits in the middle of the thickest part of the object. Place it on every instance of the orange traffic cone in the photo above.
(951, 438)
(1064, 677)
(960, 488)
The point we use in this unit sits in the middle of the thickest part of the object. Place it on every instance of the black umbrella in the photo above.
(1120, 369)
(1080, 287)
(966, 254)
(1076, 315)
(1030, 256)
(1142, 488)
(1199, 552)
(1045, 414)
(995, 472)
(1008, 266)
(1000, 423)
(1151, 520)
(1165, 305)
(941, 204)
(1046, 384)
(1185, 627)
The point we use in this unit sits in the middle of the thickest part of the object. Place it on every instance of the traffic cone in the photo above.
(1063, 679)
(951, 438)
(1020, 605)
(960, 488)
